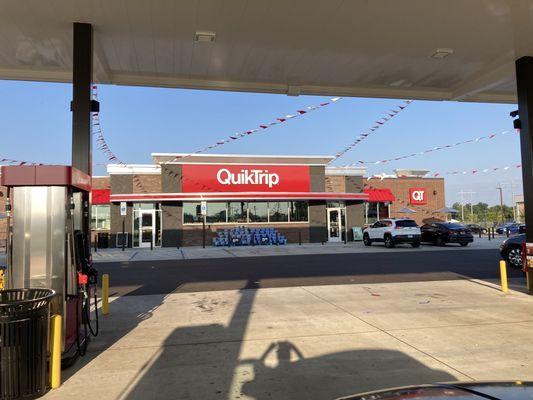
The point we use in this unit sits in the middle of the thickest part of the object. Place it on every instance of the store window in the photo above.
(191, 213)
(383, 210)
(247, 212)
(278, 211)
(216, 213)
(237, 212)
(100, 217)
(299, 211)
(258, 211)
(371, 212)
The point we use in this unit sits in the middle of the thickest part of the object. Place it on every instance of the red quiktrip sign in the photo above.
(417, 196)
(244, 178)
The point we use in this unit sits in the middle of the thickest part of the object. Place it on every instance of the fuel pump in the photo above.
(49, 245)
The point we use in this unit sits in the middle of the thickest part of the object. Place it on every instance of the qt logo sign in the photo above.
(417, 196)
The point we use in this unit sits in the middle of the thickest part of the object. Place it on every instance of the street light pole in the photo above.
(501, 201)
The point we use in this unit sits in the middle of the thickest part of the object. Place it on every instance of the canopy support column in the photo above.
(524, 82)
(82, 77)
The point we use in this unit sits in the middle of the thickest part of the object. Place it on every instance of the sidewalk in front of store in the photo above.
(189, 253)
(314, 342)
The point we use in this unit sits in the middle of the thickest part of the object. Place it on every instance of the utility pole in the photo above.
(462, 193)
(472, 206)
(512, 184)
(462, 206)
(501, 201)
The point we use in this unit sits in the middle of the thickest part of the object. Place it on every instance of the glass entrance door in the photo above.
(147, 228)
(335, 225)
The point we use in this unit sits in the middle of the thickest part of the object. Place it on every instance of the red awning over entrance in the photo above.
(100, 196)
(379, 195)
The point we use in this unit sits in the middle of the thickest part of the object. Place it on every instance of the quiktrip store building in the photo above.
(287, 193)
(300, 197)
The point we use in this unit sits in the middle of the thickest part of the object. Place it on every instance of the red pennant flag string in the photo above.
(433, 149)
(18, 162)
(262, 127)
(372, 130)
(105, 148)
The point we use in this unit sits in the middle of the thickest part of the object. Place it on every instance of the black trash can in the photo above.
(24, 327)
(103, 240)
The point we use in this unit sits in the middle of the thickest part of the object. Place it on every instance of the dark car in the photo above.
(511, 250)
(440, 233)
(478, 390)
(477, 229)
(510, 228)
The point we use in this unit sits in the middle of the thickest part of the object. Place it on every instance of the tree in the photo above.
(484, 214)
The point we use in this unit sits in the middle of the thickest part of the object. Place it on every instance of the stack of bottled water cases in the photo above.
(245, 236)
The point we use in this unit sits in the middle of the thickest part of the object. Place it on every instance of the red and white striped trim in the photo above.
(238, 196)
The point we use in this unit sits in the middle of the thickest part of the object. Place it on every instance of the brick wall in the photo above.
(171, 178)
(335, 184)
(101, 182)
(318, 231)
(172, 215)
(147, 184)
(317, 178)
(400, 188)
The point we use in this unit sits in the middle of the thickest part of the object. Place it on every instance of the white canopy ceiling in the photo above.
(377, 48)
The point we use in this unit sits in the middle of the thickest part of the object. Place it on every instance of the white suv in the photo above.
(393, 231)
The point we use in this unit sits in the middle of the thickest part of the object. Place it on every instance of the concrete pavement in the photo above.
(314, 342)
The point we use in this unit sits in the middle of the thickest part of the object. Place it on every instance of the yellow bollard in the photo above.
(1, 279)
(105, 294)
(529, 280)
(503, 276)
(56, 327)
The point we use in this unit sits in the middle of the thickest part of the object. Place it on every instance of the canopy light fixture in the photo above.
(439, 54)
(293, 90)
(204, 36)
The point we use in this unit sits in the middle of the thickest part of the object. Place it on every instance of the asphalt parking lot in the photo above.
(189, 253)
(337, 267)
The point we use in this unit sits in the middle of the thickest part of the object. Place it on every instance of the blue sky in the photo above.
(137, 121)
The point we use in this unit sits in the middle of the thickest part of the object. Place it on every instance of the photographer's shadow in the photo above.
(283, 372)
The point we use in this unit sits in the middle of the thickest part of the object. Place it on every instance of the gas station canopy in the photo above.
(442, 50)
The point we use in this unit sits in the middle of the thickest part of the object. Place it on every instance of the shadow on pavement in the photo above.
(335, 375)
(206, 361)
(302, 270)
(213, 370)
(114, 326)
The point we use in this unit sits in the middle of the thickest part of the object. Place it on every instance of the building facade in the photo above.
(168, 203)
(161, 204)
